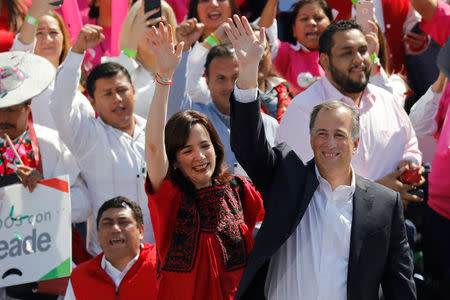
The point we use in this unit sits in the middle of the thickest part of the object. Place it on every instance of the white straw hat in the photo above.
(23, 76)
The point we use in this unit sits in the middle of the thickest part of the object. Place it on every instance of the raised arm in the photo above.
(426, 8)
(71, 123)
(248, 140)
(167, 58)
(37, 9)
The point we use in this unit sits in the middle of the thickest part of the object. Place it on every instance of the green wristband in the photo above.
(130, 53)
(212, 40)
(31, 20)
(373, 57)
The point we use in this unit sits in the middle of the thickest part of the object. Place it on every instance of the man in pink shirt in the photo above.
(388, 144)
(436, 22)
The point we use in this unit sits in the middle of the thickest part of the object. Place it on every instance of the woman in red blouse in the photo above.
(12, 13)
(203, 217)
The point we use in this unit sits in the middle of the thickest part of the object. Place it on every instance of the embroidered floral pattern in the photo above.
(217, 210)
(8, 158)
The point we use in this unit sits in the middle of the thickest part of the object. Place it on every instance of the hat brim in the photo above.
(39, 73)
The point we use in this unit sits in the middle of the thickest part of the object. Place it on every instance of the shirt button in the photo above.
(388, 26)
(137, 175)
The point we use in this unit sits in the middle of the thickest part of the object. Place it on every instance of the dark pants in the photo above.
(437, 250)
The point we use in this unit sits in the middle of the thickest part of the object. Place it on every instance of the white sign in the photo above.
(35, 232)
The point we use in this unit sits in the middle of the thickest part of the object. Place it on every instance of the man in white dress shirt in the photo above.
(109, 149)
(327, 233)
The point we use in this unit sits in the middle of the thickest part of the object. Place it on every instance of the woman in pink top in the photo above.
(436, 22)
(299, 64)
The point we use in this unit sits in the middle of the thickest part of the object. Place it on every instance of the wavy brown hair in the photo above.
(16, 12)
(176, 134)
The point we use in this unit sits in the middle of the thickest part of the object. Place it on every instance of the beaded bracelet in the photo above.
(130, 53)
(31, 20)
(162, 80)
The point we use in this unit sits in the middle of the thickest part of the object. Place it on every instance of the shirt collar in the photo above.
(344, 190)
(23, 136)
(138, 128)
(331, 92)
(225, 119)
(299, 46)
(110, 269)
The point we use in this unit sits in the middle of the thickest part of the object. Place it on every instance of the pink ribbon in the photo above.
(72, 17)
(118, 15)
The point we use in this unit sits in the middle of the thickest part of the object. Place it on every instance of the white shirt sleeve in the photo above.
(70, 295)
(76, 129)
(245, 96)
(423, 113)
(196, 86)
(19, 46)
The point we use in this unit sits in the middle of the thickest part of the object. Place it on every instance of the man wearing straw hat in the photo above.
(30, 152)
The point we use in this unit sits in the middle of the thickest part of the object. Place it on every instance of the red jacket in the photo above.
(90, 281)
(394, 14)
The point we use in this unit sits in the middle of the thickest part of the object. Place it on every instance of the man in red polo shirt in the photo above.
(126, 269)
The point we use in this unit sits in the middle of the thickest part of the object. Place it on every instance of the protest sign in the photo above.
(35, 232)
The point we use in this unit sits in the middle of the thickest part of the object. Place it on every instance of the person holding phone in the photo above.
(135, 55)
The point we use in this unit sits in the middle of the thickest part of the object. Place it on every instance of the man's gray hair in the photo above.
(335, 104)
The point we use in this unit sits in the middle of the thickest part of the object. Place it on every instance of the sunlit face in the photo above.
(222, 73)
(114, 101)
(49, 39)
(331, 140)
(349, 64)
(212, 13)
(197, 159)
(14, 120)
(309, 24)
(119, 234)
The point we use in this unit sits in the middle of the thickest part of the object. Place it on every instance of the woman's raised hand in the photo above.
(168, 57)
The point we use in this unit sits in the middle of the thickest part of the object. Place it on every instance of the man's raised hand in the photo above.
(248, 46)
(249, 49)
(90, 36)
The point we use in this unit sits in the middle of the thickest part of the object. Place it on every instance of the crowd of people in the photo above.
(236, 149)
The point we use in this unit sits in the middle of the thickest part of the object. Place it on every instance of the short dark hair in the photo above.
(192, 10)
(332, 105)
(225, 50)
(105, 70)
(177, 133)
(121, 202)
(326, 41)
